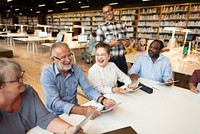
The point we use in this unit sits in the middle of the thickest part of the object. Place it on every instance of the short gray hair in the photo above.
(57, 44)
(8, 65)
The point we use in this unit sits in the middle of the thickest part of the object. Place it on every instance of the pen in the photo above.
(172, 82)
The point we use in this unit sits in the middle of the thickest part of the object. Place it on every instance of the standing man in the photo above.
(113, 33)
(60, 82)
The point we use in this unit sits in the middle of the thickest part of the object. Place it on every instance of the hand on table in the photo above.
(119, 90)
(108, 103)
(89, 109)
(134, 77)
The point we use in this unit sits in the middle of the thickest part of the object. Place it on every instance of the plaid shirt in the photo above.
(109, 31)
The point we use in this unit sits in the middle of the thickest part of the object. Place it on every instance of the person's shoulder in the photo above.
(94, 67)
(197, 71)
(111, 64)
(162, 57)
(141, 56)
(29, 90)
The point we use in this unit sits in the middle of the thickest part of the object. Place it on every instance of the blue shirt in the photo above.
(61, 92)
(160, 70)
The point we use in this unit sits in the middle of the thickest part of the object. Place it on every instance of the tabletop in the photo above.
(168, 110)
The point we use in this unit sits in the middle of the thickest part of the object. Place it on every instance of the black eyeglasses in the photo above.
(17, 80)
(63, 57)
(108, 11)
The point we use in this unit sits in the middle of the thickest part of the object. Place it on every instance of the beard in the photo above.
(65, 66)
(153, 55)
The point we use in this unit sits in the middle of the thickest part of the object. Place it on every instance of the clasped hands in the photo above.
(117, 42)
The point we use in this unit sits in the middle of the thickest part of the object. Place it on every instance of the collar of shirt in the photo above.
(103, 68)
(159, 58)
(109, 23)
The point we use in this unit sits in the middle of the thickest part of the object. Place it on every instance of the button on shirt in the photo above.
(160, 70)
(61, 92)
(103, 79)
(109, 31)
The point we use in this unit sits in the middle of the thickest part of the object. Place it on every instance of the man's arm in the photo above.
(168, 76)
(52, 96)
(135, 69)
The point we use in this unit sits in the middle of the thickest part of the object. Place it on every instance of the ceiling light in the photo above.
(65, 8)
(79, 2)
(60, 2)
(146, 0)
(113, 3)
(9, 0)
(17, 9)
(85, 6)
(50, 11)
(20, 13)
(8, 10)
(38, 12)
(42, 5)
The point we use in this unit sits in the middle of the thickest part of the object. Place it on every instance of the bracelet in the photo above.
(103, 100)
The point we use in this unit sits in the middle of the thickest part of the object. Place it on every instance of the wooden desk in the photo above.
(168, 110)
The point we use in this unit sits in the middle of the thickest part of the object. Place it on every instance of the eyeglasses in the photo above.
(108, 11)
(63, 57)
(13, 81)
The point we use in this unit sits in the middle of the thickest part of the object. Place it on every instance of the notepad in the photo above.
(125, 130)
(84, 121)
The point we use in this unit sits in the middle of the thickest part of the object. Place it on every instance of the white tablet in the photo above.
(107, 110)
(133, 90)
(84, 121)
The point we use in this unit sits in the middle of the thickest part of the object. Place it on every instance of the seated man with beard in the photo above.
(60, 82)
(153, 65)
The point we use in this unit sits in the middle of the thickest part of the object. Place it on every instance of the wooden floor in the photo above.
(34, 63)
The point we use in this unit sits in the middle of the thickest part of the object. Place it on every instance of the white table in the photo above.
(169, 110)
(9, 37)
(33, 40)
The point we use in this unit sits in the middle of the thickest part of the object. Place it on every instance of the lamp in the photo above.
(173, 29)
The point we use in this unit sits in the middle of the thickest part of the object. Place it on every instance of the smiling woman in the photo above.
(104, 74)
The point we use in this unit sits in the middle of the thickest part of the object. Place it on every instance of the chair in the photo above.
(59, 38)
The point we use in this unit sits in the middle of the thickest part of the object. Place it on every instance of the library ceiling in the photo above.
(26, 7)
